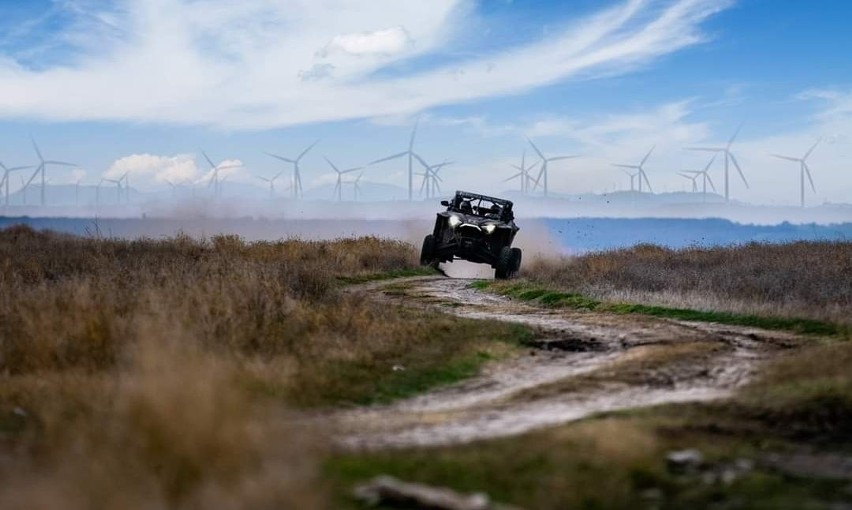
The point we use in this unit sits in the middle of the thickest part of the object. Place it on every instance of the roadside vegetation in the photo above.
(807, 280)
(163, 373)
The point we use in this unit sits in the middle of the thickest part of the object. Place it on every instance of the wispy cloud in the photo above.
(258, 64)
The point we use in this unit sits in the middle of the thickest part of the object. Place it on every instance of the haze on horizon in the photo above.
(142, 86)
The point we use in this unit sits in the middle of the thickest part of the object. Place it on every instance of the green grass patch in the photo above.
(387, 275)
(448, 350)
(558, 299)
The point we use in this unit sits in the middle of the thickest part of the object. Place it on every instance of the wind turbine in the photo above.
(411, 156)
(705, 178)
(7, 176)
(117, 182)
(523, 173)
(297, 176)
(40, 170)
(125, 177)
(356, 186)
(98, 192)
(693, 177)
(214, 177)
(544, 161)
(431, 179)
(640, 171)
(632, 176)
(338, 187)
(729, 158)
(77, 192)
(804, 169)
(271, 182)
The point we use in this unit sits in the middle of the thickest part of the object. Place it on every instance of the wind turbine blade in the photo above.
(33, 176)
(422, 162)
(643, 175)
(739, 170)
(212, 165)
(401, 154)
(634, 167)
(16, 168)
(559, 158)
(278, 175)
(332, 164)
(811, 149)
(736, 133)
(713, 186)
(63, 163)
(352, 169)
(424, 181)
(536, 149)
(413, 134)
(513, 177)
(706, 168)
(282, 158)
(647, 155)
(38, 152)
(311, 146)
(808, 173)
(788, 158)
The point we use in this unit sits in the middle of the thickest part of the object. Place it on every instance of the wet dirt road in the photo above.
(581, 363)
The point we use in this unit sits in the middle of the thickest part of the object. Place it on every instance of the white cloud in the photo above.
(389, 41)
(253, 64)
(155, 169)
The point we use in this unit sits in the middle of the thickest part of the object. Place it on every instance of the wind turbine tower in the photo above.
(7, 176)
(40, 169)
(544, 161)
(338, 186)
(411, 156)
(298, 192)
(640, 171)
(804, 170)
(729, 158)
(214, 177)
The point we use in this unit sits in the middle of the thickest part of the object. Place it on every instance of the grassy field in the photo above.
(808, 280)
(174, 374)
(160, 373)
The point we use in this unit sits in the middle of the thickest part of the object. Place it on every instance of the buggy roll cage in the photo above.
(465, 196)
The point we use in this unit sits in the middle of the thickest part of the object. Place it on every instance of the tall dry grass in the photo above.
(804, 279)
(159, 374)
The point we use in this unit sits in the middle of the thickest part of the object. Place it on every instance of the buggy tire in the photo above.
(505, 264)
(517, 254)
(427, 252)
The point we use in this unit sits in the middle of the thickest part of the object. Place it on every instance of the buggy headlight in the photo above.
(489, 228)
(454, 221)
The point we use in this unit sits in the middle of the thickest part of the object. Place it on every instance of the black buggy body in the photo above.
(476, 228)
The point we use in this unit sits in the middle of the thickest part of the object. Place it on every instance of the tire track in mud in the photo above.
(580, 364)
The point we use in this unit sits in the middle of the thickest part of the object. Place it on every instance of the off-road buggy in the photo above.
(476, 228)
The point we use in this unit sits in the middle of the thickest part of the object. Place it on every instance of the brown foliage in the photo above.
(806, 279)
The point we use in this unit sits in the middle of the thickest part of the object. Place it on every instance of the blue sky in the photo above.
(143, 85)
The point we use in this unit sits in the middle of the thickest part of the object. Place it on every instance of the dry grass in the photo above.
(159, 374)
(804, 279)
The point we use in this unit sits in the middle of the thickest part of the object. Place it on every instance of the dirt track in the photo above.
(581, 363)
